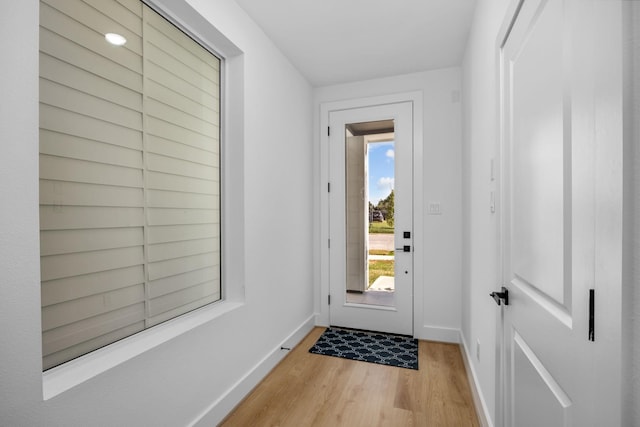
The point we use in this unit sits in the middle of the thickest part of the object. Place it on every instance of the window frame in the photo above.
(232, 273)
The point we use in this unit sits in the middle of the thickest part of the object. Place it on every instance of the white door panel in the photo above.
(538, 399)
(538, 160)
(550, 73)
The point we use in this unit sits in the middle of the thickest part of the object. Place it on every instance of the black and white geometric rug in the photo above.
(374, 347)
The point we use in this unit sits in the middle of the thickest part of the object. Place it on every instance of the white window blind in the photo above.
(129, 174)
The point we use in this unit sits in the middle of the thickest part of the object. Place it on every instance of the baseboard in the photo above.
(220, 408)
(481, 406)
(321, 320)
(436, 333)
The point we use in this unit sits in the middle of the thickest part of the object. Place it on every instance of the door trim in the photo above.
(513, 9)
(415, 97)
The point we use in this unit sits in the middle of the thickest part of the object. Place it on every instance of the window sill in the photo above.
(68, 375)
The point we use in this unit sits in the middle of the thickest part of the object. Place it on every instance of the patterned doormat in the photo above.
(374, 347)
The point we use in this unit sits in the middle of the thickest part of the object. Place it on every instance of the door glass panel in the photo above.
(369, 204)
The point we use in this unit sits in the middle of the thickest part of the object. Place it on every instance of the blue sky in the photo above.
(381, 170)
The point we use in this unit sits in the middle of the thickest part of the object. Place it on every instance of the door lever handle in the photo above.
(501, 297)
(405, 248)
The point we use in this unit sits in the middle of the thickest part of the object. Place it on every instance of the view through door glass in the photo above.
(369, 204)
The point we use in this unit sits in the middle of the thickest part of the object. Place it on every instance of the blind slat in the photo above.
(69, 288)
(167, 285)
(81, 194)
(171, 199)
(176, 233)
(163, 216)
(64, 169)
(79, 217)
(70, 241)
(187, 168)
(167, 148)
(164, 251)
(61, 145)
(167, 182)
(174, 266)
(77, 264)
(69, 312)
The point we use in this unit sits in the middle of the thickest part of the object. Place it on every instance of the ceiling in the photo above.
(339, 41)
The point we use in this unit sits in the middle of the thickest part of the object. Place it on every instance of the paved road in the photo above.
(381, 241)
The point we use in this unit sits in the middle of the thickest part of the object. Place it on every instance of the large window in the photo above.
(129, 174)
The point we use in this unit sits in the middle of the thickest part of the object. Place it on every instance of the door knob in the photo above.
(501, 297)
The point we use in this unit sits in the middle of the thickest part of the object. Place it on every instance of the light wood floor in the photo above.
(312, 390)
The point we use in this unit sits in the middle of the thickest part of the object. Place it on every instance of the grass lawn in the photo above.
(380, 227)
(380, 252)
(380, 268)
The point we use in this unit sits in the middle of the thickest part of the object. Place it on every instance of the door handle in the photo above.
(405, 248)
(501, 297)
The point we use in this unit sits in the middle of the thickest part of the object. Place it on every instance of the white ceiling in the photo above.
(338, 41)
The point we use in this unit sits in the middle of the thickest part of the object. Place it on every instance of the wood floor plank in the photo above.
(307, 389)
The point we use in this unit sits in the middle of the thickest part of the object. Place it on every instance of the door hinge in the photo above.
(329, 243)
(328, 131)
(329, 299)
(592, 316)
(328, 187)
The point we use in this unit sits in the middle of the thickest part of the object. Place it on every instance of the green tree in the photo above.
(387, 207)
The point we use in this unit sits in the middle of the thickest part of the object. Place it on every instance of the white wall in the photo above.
(178, 381)
(438, 316)
(480, 145)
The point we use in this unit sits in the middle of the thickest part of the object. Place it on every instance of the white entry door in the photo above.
(370, 218)
(561, 194)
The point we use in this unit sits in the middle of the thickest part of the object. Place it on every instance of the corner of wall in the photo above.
(439, 334)
(482, 410)
(221, 407)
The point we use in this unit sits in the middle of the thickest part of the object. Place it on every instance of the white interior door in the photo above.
(385, 305)
(555, 137)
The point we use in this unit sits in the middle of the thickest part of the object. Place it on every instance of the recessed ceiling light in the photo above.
(115, 39)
